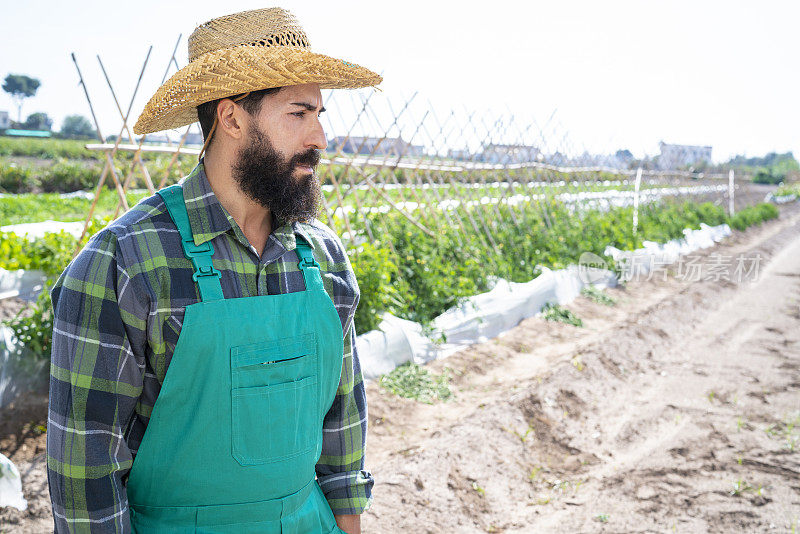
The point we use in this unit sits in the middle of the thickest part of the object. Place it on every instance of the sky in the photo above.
(609, 75)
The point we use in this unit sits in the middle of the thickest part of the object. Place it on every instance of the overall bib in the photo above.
(236, 430)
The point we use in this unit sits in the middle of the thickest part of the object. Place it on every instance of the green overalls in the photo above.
(236, 431)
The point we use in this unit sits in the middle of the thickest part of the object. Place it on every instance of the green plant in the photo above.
(752, 215)
(50, 253)
(412, 381)
(376, 271)
(33, 326)
(740, 486)
(17, 179)
(554, 312)
(598, 295)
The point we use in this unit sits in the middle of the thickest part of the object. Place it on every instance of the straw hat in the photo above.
(246, 51)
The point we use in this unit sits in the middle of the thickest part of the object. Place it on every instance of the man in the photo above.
(204, 376)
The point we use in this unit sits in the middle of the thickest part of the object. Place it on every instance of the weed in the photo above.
(523, 437)
(603, 518)
(598, 296)
(479, 489)
(554, 312)
(741, 486)
(534, 473)
(577, 363)
(413, 381)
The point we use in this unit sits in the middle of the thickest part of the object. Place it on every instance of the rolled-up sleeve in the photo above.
(340, 471)
(95, 381)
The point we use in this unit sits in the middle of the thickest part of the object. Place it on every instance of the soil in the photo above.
(677, 409)
(10, 307)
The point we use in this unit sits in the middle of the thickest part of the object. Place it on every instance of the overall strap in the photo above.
(309, 266)
(206, 276)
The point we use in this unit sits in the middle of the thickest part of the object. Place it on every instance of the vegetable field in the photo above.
(422, 236)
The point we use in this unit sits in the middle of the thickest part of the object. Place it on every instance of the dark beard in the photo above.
(264, 175)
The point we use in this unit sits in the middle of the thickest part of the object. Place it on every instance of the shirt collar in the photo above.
(208, 218)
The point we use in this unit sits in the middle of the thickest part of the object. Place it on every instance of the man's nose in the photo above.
(316, 138)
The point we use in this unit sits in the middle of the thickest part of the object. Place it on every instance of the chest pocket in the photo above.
(275, 400)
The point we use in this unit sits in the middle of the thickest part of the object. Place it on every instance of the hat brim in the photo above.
(240, 69)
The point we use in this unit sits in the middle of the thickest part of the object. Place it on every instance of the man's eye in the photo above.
(299, 113)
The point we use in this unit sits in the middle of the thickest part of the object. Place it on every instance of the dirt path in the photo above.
(677, 410)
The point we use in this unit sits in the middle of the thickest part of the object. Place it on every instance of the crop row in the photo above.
(416, 275)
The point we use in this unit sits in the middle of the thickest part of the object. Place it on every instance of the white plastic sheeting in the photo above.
(20, 283)
(780, 199)
(488, 315)
(11, 485)
(20, 369)
(639, 262)
(477, 319)
(37, 230)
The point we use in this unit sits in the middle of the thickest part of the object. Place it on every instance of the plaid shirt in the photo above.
(115, 329)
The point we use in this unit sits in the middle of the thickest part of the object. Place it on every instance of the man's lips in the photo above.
(305, 168)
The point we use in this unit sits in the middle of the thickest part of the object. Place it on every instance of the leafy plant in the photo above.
(752, 215)
(412, 381)
(377, 272)
(598, 295)
(554, 312)
(33, 326)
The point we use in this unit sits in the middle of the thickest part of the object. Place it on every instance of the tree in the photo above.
(38, 121)
(77, 126)
(20, 87)
(624, 155)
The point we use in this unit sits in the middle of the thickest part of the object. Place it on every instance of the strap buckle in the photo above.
(306, 263)
(191, 250)
(205, 271)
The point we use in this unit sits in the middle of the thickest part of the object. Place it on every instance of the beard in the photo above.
(266, 176)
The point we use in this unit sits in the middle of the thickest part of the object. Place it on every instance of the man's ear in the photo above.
(230, 119)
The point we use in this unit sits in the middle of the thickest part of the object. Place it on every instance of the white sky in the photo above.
(618, 74)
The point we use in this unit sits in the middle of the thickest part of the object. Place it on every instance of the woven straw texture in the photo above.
(244, 52)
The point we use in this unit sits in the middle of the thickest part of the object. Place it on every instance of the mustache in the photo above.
(310, 157)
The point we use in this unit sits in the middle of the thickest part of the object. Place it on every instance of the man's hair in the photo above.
(251, 104)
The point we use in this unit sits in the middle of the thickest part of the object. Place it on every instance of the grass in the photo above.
(413, 381)
(33, 207)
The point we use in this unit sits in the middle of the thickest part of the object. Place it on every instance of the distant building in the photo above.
(194, 138)
(156, 139)
(379, 146)
(680, 156)
(5, 120)
(496, 153)
(461, 154)
(28, 133)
